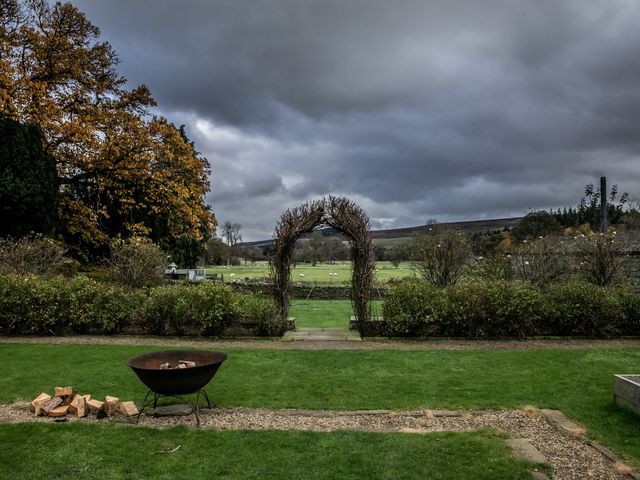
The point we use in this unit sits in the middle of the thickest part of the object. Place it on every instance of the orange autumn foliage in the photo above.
(122, 171)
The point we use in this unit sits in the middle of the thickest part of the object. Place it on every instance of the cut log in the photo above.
(79, 406)
(64, 391)
(87, 397)
(60, 411)
(111, 404)
(95, 406)
(71, 406)
(128, 409)
(39, 403)
(187, 363)
(53, 403)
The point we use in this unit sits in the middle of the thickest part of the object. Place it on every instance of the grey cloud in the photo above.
(451, 109)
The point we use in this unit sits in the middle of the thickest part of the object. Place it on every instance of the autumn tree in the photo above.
(121, 170)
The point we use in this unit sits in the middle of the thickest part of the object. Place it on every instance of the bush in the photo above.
(411, 307)
(100, 308)
(137, 262)
(189, 309)
(262, 313)
(440, 257)
(492, 309)
(630, 303)
(541, 261)
(510, 309)
(601, 258)
(59, 306)
(29, 305)
(579, 308)
(36, 255)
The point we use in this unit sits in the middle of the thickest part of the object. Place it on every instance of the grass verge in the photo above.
(97, 452)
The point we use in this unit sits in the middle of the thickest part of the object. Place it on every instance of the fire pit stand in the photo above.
(153, 402)
(176, 382)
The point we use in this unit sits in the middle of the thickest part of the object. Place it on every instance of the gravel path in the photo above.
(368, 344)
(571, 457)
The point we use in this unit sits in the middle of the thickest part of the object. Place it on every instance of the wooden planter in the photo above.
(626, 392)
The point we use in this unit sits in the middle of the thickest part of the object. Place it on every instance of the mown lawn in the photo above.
(111, 452)
(578, 382)
(325, 313)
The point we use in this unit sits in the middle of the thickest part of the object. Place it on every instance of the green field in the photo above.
(305, 273)
(578, 382)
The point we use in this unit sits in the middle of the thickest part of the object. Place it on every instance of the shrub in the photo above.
(100, 308)
(137, 262)
(411, 306)
(439, 257)
(541, 261)
(492, 309)
(58, 306)
(189, 309)
(493, 268)
(630, 303)
(37, 306)
(580, 308)
(30, 305)
(261, 312)
(601, 258)
(36, 255)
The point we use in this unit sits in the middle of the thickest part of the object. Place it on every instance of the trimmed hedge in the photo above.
(510, 309)
(59, 306)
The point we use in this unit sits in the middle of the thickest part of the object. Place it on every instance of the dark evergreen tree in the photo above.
(28, 181)
(535, 224)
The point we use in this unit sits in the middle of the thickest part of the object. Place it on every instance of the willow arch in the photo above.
(346, 217)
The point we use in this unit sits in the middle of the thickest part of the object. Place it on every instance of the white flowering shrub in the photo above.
(440, 257)
(601, 258)
(541, 261)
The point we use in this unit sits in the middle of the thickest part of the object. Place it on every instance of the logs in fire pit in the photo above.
(173, 373)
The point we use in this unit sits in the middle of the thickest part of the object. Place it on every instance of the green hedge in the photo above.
(59, 306)
(510, 309)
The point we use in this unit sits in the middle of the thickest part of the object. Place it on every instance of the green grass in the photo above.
(318, 274)
(578, 382)
(325, 313)
(98, 452)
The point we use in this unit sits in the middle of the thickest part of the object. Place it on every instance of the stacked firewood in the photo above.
(66, 401)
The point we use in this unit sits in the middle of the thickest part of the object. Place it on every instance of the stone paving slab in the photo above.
(321, 335)
(559, 419)
(523, 450)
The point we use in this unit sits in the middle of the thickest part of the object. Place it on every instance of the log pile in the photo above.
(66, 401)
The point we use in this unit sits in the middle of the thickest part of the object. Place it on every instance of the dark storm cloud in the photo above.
(417, 109)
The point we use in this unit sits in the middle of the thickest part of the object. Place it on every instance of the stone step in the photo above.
(321, 335)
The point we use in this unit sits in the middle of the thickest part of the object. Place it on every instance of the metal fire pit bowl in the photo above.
(178, 381)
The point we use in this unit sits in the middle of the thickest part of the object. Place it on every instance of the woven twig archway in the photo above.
(346, 217)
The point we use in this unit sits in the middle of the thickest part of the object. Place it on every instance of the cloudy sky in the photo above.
(416, 109)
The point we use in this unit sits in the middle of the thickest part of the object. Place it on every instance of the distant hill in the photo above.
(388, 236)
